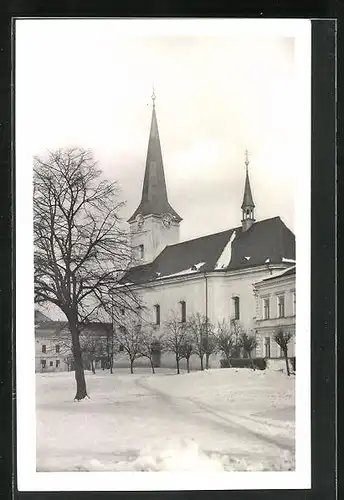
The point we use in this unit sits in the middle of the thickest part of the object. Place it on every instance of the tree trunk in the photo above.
(252, 363)
(152, 365)
(111, 356)
(207, 356)
(201, 358)
(188, 364)
(92, 367)
(287, 362)
(177, 361)
(131, 366)
(81, 392)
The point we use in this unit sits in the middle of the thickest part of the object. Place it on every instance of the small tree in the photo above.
(186, 351)
(174, 337)
(150, 344)
(282, 338)
(247, 343)
(225, 339)
(236, 331)
(130, 337)
(198, 329)
(209, 345)
(91, 348)
(110, 349)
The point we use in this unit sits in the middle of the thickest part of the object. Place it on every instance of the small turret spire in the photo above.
(247, 206)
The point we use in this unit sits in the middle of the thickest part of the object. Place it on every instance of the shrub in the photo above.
(257, 363)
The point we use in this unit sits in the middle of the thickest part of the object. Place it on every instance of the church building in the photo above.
(212, 275)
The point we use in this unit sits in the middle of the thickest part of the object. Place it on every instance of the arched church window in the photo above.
(183, 311)
(141, 251)
(157, 314)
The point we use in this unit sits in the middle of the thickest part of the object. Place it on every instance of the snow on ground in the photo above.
(220, 419)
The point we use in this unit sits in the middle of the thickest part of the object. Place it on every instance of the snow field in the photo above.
(216, 420)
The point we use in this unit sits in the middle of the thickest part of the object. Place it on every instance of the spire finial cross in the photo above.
(246, 158)
(153, 95)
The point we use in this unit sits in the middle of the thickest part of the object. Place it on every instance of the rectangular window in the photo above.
(266, 308)
(267, 347)
(236, 304)
(57, 363)
(44, 348)
(43, 363)
(294, 303)
(57, 348)
(183, 311)
(157, 314)
(141, 251)
(51, 363)
(280, 302)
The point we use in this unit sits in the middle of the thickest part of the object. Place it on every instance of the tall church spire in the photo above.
(154, 200)
(248, 205)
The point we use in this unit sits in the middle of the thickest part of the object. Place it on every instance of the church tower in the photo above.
(154, 224)
(247, 206)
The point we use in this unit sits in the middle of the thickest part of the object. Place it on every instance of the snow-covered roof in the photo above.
(266, 242)
(286, 272)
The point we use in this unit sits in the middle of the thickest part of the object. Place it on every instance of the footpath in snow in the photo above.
(221, 419)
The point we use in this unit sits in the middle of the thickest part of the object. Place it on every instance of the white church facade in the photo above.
(212, 275)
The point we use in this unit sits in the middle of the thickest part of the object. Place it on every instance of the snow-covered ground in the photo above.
(220, 419)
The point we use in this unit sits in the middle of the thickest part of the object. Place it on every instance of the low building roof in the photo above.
(60, 328)
(291, 271)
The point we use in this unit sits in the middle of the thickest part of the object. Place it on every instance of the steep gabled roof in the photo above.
(266, 242)
(154, 199)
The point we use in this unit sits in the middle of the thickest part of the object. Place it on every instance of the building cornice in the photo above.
(194, 276)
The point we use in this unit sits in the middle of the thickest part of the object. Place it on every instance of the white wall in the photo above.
(154, 236)
(50, 355)
(192, 289)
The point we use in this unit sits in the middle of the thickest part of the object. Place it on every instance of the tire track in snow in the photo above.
(222, 422)
(283, 443)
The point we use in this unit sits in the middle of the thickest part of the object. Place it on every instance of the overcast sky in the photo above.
(84, 83)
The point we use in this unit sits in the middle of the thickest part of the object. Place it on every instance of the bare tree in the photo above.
(236, 330)
(198, 327)
(247, 343)
(130, 337)
(81, 248)
(174, 337)
(210, 345)
(225, 339)
(150, 344)
(93, 347)
(186, 351)
(282, 338)
(110, 349)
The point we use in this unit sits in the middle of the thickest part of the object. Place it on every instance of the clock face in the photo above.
(139, 220)
(166, 220)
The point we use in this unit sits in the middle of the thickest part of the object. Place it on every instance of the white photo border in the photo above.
(27, 477)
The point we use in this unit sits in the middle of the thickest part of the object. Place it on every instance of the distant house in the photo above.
(53, 344)
(275, 308)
